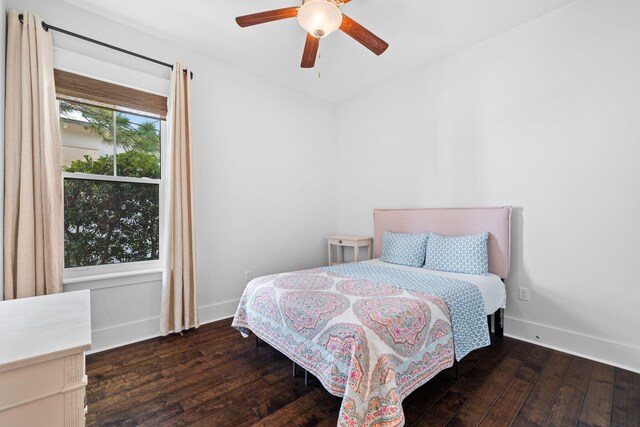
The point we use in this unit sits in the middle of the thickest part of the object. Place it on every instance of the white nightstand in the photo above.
(355, 242)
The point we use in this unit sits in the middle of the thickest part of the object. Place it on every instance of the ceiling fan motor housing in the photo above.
(319, 17)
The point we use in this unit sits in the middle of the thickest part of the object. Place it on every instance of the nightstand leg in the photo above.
(329, 253)
(356, 252)
(369, 252)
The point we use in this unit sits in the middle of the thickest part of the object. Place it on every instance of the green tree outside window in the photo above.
(108, 222)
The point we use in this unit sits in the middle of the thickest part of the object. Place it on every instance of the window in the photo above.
(112, 173)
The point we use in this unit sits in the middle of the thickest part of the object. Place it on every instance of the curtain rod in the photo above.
(48, 27)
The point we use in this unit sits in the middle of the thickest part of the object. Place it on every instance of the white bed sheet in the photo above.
(491, 286)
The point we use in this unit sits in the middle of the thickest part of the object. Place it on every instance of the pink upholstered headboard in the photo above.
(452, 222)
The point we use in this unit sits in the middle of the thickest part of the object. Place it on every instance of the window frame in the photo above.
(103, 271)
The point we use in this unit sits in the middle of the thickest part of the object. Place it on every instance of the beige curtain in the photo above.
(33, 228)
(179, 309)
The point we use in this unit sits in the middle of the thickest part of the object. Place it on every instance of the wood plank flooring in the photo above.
(213, 377)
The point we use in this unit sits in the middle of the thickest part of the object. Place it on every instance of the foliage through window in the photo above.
(112, 179)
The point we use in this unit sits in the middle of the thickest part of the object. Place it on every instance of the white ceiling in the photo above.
(419, 32)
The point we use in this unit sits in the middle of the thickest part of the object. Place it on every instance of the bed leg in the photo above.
(294, 369)
(499, 324)
(306, 378)
(257, 342)
(456, 364)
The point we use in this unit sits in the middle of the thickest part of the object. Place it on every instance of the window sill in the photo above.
(113, 279)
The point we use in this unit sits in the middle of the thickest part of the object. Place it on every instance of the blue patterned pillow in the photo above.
(458, 254)
(404, 248)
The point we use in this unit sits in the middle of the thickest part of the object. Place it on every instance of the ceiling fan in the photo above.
(319, 18)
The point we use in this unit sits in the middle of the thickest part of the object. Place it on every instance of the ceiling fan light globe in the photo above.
(319, 17)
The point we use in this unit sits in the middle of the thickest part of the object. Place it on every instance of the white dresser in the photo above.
(42, 372)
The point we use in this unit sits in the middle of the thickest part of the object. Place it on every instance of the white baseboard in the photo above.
(123, 334)
(222, 310)
(143, 329)
(612, 353)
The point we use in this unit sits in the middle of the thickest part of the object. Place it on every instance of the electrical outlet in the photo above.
(523, 294)
(247, 276)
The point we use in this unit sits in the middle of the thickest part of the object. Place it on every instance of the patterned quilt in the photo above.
(464, 299)
(371, 343)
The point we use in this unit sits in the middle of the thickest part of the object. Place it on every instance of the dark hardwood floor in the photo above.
(213, 377)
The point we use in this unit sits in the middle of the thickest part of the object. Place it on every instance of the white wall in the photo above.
(3, 33)
(264, 192)
(544, 118)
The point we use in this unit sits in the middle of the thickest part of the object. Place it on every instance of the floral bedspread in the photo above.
(464, 299)
(370, 343)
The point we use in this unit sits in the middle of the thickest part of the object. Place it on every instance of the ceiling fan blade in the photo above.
(310, 51)
(363, 36)
(268, 16)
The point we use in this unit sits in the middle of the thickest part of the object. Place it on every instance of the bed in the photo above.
(372, 332)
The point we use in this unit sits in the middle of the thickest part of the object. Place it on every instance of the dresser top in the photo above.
(45, 327)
